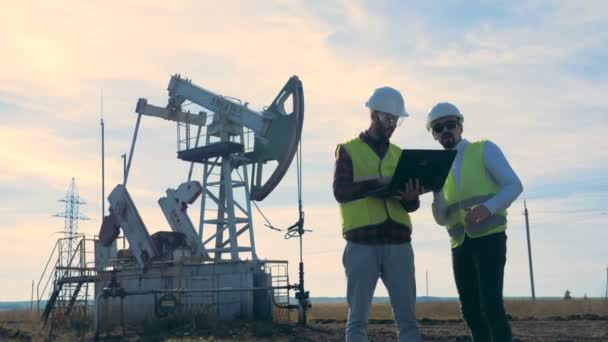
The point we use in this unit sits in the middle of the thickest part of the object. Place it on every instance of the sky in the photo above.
(528, 75)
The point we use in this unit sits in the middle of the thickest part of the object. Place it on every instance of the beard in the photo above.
(448, 141)
(388, 133)
(384, 132)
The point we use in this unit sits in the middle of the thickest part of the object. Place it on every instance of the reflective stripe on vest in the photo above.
(371, 210)
(476, 228)
(467, 203)
(476, 187)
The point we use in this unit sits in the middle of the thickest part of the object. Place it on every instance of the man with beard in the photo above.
(472, 205)
(377, 229)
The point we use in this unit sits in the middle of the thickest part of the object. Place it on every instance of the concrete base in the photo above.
(218, 300)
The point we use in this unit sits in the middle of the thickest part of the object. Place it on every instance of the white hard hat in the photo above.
(441, 110)
(387, 100)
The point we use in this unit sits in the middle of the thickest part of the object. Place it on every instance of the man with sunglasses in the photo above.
(377, 229)
(472, 205)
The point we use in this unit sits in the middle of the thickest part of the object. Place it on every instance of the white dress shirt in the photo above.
(498, 169)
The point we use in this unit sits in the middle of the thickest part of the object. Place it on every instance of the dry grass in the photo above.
(25, 326)
(563, 308)
(24, 315)
(26, 319)
(451, 310)
(20, 325)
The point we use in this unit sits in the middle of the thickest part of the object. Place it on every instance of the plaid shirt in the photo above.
(345, 190)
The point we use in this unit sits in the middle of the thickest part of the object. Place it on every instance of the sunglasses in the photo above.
(449, 125)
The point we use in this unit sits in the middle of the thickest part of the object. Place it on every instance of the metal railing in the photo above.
(63, 267)
(281, 299)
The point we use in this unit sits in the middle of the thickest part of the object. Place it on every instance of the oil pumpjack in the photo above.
(213, 270)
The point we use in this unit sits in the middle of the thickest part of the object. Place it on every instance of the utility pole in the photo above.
(32, 300)
(103, 162)
(606, 282)
(529, 250)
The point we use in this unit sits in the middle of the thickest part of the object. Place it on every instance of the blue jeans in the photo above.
(394, 264)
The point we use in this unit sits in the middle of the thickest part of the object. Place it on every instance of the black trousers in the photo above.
(478, 265)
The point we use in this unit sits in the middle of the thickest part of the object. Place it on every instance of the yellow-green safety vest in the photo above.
(476, 187)
(371, 210)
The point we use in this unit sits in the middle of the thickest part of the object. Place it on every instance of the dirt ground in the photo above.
(551, 321)
(575, 328)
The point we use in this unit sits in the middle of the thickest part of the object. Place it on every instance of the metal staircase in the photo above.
(66, 277)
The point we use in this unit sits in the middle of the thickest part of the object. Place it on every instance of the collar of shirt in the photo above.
(460, 146)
